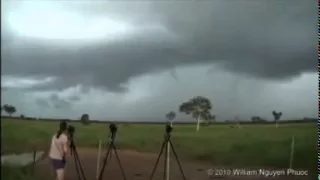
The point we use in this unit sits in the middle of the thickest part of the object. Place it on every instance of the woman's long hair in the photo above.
(62, 127)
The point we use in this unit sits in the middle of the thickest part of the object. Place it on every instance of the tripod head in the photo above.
(113, 130)
(71, 130)
(168, 130)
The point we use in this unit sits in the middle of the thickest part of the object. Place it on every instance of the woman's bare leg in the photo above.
(60, 174)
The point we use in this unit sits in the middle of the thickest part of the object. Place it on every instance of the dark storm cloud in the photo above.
(266, 39)
(42, 103)
(56, 101)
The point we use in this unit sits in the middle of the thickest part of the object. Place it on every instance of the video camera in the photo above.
(168, 129)
(71, 130)
(113, 128)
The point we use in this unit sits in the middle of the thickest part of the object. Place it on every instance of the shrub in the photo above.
(85, 119)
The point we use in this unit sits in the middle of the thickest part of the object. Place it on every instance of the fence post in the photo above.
(98, 160)
(34, 161)
(292, 152)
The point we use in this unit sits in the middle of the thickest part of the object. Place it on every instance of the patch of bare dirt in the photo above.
(137, 166)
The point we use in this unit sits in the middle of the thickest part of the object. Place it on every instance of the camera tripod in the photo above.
(74, 153)
(112, 135)
(167, 142)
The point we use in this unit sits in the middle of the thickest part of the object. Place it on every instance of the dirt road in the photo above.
(138, 166)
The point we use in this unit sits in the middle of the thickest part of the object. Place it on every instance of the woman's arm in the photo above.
(65, 143)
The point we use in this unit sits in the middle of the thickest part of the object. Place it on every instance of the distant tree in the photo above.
(170, 116)
(277, 116)
(12, 110)
(209, 119)
(9, 109)
(22, 116)
(255, 118)
(85, 119)
(5, 108)
(199, 107)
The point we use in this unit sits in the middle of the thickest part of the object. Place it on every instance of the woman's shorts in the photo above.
(58, 163)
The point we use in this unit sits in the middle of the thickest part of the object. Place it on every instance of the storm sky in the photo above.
(138, 60)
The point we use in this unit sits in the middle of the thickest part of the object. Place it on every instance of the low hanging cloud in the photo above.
(265, 39)
(145, 58)
(42, 103)
(54, 100)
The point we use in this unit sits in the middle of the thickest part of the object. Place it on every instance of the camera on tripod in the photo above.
(112, 134)
(113, 128)
(168, 128)
(71, 130)
(80, 172)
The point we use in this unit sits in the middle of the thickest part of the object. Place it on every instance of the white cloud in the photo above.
(15, 82)
(47, 20)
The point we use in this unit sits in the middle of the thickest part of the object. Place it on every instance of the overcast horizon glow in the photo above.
(37, 20)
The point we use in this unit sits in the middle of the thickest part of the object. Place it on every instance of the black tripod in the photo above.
(112, 135)
(75, 155)
(167, 142)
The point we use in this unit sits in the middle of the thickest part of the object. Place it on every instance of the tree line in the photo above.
(198, 107)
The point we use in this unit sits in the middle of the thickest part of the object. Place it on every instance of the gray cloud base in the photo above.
(270, 40)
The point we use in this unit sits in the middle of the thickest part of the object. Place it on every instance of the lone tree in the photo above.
(9, 109)
(85, 119)
(209, 119)
(199, 107)
(277, 116)
(170, 116)
(5, 108)
(256, 119)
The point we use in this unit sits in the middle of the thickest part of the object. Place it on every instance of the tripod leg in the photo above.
(176, 156)
(118, 159)
(104, 163)
(165, 161)
(75, 162)
(110, 155)
(155, 166)
(76, 155)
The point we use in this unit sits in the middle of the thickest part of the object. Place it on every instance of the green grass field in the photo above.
(9, 172)
(253, 145)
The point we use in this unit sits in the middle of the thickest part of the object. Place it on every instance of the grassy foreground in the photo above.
(253, 145)
(9, 172)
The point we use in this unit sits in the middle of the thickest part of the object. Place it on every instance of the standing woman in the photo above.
(58, 150)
